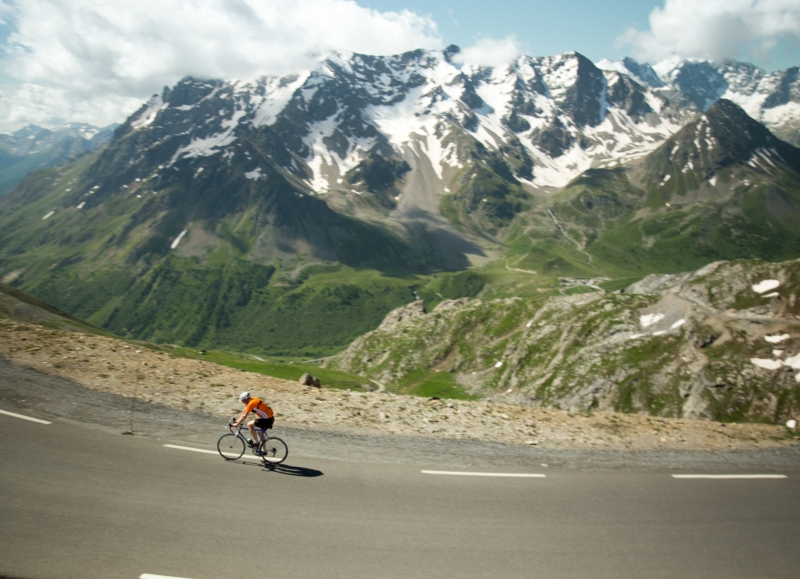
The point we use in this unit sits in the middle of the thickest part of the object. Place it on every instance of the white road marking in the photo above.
(243, 457)
(192, 449)
(726, 476)
(498, 474)
(24, 417)
(151, 576)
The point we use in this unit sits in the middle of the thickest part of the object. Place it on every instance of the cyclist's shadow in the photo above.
(293, 470)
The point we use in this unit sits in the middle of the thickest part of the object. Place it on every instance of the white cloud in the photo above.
(96, 60)
(715, 29)
(490, 52)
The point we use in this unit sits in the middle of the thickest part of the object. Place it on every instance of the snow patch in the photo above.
(781, 114)
(49, 215)
(767, 364)
(205, 147)
(793, 362)
(278, 93)
(149, 114)
(255, 174)
(766, 285)
(677, 324)
(777, 339)
(650, 319)
(178, 239)
(752, 103)
(80, 205)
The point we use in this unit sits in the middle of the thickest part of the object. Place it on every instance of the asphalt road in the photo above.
(83, 502)
(79, 500)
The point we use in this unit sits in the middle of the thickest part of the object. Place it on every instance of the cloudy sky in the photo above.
(96, 61)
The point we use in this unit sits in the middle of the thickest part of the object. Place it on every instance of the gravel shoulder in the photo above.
(93, 379)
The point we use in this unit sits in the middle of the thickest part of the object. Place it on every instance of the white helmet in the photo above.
(244, 396)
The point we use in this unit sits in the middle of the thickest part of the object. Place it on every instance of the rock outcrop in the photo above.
(720, 343)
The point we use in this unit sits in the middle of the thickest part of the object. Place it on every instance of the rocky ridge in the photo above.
(720, 343)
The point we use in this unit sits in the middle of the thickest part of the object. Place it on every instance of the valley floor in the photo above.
(157, 379)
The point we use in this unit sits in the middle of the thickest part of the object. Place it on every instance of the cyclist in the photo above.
(265, 420)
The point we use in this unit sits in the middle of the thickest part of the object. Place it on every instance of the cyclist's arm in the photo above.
(241, 418)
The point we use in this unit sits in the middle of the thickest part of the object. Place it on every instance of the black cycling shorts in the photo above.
(265, 423)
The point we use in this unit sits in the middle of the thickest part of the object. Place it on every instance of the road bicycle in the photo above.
(271, 449)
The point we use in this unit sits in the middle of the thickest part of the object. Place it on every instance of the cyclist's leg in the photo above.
(251, 426)
(262, 424)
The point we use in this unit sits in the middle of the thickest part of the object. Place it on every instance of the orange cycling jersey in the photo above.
(260, 408)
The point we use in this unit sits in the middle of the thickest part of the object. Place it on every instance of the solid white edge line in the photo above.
(15, 415)
(497, 474)
(726, 476)
(243, 457)
(151, 576)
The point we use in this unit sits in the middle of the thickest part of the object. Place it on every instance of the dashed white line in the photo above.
(729, 476)
(243, 457)
(497, 474)
(15, 415)
(192, 449)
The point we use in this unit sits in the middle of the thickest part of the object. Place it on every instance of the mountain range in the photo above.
(33, 147)
(289, 215)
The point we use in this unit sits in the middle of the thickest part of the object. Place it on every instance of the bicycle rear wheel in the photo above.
(274, 450)
(230, 446)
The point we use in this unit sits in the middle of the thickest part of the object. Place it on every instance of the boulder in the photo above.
(309, 380)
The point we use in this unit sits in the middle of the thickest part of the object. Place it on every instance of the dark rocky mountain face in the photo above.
(700, 82)
(723, 187)
(725, 136)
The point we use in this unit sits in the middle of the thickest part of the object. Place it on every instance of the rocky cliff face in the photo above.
(720, 343)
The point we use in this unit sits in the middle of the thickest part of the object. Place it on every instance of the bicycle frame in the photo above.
(243, 426)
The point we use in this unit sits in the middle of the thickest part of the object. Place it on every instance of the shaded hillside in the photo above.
(20, 306)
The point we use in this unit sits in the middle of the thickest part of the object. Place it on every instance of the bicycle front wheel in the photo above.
(231, 446)
(274, 450)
